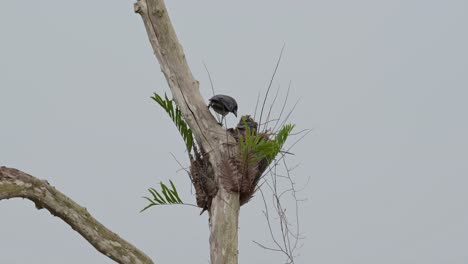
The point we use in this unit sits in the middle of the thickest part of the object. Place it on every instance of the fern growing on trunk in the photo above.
(174, 113)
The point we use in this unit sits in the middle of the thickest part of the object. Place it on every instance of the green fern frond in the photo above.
(280, 139)
(165, 196)
(255, 147)
(174, 113)
(283, 134)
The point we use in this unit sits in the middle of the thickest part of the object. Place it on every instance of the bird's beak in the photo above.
(235, 113)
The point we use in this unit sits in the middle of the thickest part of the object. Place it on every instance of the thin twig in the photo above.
(284, 105)
(209, 77)
(256, 105)
(212, 87)
(181, 167)
(271, 107)
(265, 247)
(289, 114)
(269, 85)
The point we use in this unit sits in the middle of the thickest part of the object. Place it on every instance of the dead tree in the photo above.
(224, 210)
(218, 157)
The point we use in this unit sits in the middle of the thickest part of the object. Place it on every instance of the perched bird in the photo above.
(223, 105)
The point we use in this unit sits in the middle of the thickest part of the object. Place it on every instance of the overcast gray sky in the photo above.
(384, 85)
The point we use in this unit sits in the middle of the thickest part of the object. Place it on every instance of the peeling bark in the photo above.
(224, 212)
(17, 184)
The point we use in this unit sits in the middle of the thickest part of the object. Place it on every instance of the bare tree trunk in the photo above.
(224, 211)
(212, 138)
(17, 184)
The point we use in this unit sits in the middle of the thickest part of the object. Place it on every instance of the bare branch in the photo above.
(265, 247)
(287, 239)
(17, 184)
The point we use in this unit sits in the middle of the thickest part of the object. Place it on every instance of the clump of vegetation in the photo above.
(240, 173)
(201, 174)
(256, 152)
(255, 147)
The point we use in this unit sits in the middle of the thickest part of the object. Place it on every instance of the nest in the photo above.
(202, 176)
(238, 174)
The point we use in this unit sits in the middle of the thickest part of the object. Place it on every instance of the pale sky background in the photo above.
(384, 85)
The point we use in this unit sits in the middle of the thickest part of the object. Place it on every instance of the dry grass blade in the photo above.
(212, 88)
(256, 105)
(284, 105)
(271, 107)
(269, 85)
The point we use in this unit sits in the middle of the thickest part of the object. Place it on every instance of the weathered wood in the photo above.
(17, 184)
(224, 212)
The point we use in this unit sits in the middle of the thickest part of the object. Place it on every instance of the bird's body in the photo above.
(223, 105)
